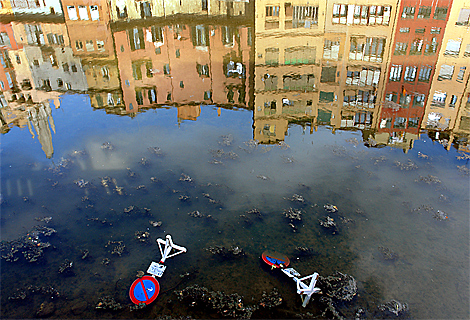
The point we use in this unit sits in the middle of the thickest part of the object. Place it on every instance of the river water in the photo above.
(102, 174)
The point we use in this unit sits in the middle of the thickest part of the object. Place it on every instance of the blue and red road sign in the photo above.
(144, 290)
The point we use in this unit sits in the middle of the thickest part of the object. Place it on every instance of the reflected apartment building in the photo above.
(89, 26)
(447, 108)
(417, 40)
(124, 10)
(332, 73)
(183, 64)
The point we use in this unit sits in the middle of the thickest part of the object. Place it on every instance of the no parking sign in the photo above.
(144, 290)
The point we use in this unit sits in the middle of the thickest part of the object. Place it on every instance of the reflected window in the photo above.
(166, 68)
(392, 96)
(157, 34)
(145, 10)
(439, 99)
(4, 39)
(79, 45)
(453, 101)
(440, 13)
(152, 95)
(400, 123)
(272, 56)
(293, 82)
(425, 73)
(200, 36)
(299, 55)
(420, 30)
(431, 48)
(446, 72)
(65, 66)
(435, 30)
(89, 45)
(204, 5)
(139, 97)
(272, 17)
(400, 48)
(395, 72)
(270, 107)
(331, 49)
(464, 17)
(202, 69)
(270, 82)
(418, 100)
(466, 54)
(136, 39)
(137, 70)
(83, 13)
(100, 45)
(228, 36)
(72, 13)
(74, 68)
(340, 13)
(60, 83)
(272, 11)
(149, 68)
(408, 13)
(94, 12)
(453, 48)
(410, 73)
(404, 30)
(300, 16)
(207, 95)
(367, 49)
(121, 11)
(461, 74)
(328, 74)
(416, 47)
(424, 12)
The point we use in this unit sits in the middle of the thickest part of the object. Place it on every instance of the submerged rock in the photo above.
(394, 307)
(227, 305)
(30, 245)
(66, 267)
(338, 286)
(108, 303)
(388, 254)
(271, 300)
(440, 215)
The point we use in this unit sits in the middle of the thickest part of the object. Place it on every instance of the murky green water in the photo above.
(380, 204)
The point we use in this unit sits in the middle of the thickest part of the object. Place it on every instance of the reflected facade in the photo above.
(389, 69)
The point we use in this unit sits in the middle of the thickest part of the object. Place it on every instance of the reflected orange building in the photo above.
(183, 64)
(416, 43)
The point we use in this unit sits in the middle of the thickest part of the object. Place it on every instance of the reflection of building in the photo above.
(183, 64)
(40, 121)
(46, 60)
(7, 44)
(132, 9)
(36, 7)
(417, 39)
(5, 7)
(321, 62)
(91, 39)
(447, 106)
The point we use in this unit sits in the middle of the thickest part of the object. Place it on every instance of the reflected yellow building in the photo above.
(320, 62)
(448, 104)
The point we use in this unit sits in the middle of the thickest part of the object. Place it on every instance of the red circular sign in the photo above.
(144, 290)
